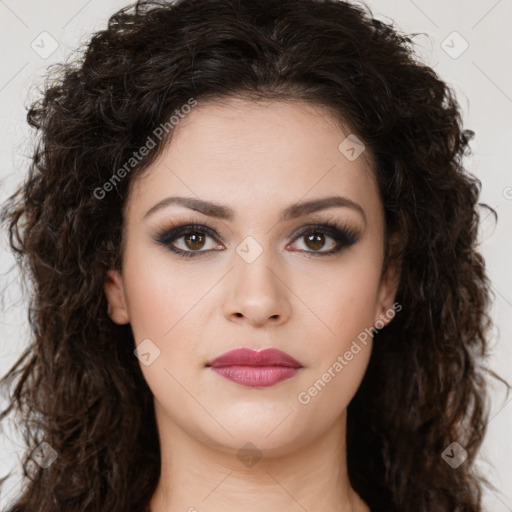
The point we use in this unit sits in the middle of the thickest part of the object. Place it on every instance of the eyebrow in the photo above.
(224, 212)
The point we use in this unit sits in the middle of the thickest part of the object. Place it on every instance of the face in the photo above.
(257, 271)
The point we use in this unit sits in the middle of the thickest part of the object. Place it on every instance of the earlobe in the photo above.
(387, 292)
(114, 291)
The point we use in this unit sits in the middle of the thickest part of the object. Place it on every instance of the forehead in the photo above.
(258, 153)
(274, 128)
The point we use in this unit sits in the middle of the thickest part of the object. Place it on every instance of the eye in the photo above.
(192, 236)
(314, 238)
(193, 239)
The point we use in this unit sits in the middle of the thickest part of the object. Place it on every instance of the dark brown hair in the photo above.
(79, 387)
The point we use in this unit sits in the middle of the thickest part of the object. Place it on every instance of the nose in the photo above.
(257, 292)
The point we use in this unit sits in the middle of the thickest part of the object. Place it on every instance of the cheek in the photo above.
(346, 307)
(340, 359)
(351, 305)
(159, 296)
(344, 300)
(166, 306)
(163, 307)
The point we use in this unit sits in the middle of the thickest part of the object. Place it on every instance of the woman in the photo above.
(252, 241)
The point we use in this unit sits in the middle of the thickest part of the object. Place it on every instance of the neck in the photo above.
(200, 477)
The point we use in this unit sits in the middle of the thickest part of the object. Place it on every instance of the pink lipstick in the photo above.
(255, 368)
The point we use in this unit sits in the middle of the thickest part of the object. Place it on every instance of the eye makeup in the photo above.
(342, 234)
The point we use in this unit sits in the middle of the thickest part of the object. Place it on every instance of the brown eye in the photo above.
(194, 241)
(315, 241)
(188, 240)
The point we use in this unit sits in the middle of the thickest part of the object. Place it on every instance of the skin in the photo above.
(256, 158)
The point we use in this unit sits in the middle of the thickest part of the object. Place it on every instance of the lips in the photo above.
(255, 369)
(250, 357)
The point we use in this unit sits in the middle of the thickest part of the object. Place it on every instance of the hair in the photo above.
(79, 387)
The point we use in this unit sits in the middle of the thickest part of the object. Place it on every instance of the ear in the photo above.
(388, 287)
(115, 293)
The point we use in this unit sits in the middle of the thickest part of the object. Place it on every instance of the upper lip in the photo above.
(251, 357)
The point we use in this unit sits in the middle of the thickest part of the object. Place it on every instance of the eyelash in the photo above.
(344, 235)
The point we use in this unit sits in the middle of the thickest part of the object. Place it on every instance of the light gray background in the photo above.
(481, 76)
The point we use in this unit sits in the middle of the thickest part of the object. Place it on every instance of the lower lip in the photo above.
(256, 376)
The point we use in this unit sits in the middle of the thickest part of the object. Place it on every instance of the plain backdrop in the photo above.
(467, 42)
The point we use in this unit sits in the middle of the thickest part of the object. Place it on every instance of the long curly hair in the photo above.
(78, 386)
